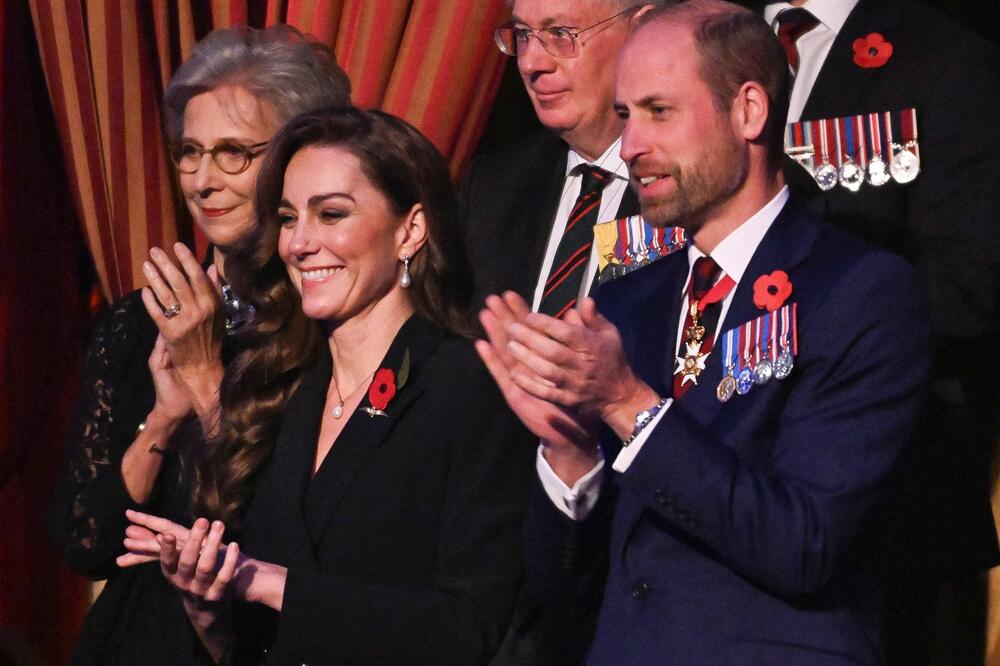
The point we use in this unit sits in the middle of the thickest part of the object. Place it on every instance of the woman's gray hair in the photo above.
(278, 65)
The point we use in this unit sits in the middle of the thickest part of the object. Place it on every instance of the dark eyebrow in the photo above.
(320, 198)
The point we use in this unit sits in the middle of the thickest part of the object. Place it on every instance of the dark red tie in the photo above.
(704, 274)
(570, 264)
(792, 24)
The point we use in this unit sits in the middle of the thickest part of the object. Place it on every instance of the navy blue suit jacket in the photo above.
(749, 532)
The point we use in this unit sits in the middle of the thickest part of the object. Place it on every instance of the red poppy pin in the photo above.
(384, 387)
(771, 291)
(872, 51)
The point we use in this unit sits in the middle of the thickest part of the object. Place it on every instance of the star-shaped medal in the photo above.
(691, 364)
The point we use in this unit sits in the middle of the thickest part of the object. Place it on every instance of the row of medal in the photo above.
(871, 148)
(629, 243)
(758, 351)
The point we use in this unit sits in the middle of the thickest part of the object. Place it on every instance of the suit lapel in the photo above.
(629, 204)
(784, 246)
(281, 493)
(841, 84)
(363, 435)
(535, 211)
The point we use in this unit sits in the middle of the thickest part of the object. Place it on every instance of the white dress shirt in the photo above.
(813, 46)
(733, 255)
(611, 198)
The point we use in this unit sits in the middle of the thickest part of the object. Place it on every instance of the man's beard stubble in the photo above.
(709, 180)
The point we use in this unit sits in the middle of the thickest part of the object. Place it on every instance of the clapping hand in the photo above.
(185, 305)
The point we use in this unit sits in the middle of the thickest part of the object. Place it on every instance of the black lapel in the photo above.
(839, 88)
(535, 210)
(280, 495)
(783, 247)
(629, 204)
(660, 330)
(364, 434)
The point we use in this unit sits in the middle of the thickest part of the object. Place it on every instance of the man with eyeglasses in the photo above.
(530, 209)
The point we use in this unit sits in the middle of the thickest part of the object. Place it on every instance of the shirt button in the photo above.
(640, 591)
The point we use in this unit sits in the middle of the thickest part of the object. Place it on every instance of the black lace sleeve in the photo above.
(116, 395)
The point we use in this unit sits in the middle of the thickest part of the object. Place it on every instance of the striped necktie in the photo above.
(573, 253)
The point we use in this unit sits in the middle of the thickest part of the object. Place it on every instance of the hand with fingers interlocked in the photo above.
(568, 372)
(185, 305)
(204, 570)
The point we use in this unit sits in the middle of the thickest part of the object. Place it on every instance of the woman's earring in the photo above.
(404, 280)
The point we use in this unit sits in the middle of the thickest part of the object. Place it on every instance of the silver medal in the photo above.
(784, 365)
(763, 372)
(826, 176)
(905, 166)
(878, 172)
(851, 175)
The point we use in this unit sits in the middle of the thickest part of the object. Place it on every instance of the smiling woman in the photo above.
(156, 357)
(376, 473)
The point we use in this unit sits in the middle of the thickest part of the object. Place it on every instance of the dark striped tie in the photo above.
(570, 264)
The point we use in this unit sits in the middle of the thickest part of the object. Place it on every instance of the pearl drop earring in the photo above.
(404, 280)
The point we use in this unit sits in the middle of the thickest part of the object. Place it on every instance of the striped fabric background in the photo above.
(106, 63)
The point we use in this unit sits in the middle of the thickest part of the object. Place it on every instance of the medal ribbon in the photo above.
(908, 122)
(858, 129)
(836, 139)
(852, 152)
(718, 292)
(731, 358)
(621, 243)
(887, 131)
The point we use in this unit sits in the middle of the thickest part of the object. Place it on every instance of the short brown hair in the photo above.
(735, 46)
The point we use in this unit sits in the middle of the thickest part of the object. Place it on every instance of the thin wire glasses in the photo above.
(233, 158)
(557, 40)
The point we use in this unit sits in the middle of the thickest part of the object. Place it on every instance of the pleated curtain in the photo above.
(106, 63)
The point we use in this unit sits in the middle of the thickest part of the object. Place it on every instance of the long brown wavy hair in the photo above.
(408, 170)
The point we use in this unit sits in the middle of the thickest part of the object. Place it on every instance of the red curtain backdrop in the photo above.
(84, 171)
(431, 62)
(42, 330)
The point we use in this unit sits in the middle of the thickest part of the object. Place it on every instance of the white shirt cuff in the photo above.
(576, 502)
(628, 453)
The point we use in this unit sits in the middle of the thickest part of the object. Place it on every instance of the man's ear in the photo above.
(412, 233)
(750, 111)
(633, 19)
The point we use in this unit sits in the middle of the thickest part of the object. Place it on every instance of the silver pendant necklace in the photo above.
(338, 407)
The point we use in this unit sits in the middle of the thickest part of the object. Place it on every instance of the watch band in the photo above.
(643, 419)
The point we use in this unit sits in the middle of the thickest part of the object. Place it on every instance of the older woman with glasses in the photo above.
(156, 357)
(388, 476)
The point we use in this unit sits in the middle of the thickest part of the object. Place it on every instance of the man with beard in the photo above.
(720, 430)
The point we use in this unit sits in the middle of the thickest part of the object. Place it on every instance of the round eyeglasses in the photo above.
(557, 40)
(233, 158)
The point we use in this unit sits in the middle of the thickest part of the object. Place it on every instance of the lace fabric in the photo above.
(116, 394)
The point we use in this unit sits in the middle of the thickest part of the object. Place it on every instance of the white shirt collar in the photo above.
(736, 250)
(831, 13)
(610, 161)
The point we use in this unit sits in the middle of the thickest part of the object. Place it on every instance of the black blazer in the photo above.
(405, 545)
(947, 224)
(509, 200)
